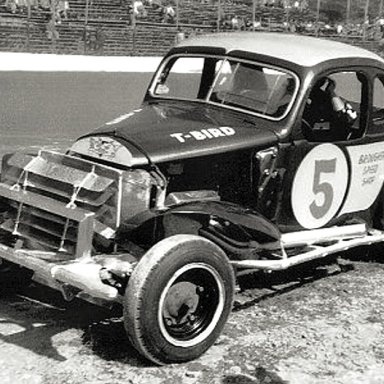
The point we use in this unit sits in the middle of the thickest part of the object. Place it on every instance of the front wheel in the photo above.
(178, 299)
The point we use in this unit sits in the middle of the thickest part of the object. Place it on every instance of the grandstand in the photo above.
(113, 27)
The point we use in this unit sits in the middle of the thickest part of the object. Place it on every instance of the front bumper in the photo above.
(79, 276)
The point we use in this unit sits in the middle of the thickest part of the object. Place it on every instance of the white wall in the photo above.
(76, 63)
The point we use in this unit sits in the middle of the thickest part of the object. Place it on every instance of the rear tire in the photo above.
(178, 299)
(378, 219)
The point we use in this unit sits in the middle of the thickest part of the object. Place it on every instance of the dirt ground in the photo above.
(322, 327)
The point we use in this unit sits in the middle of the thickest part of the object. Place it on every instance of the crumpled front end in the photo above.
(60, 211)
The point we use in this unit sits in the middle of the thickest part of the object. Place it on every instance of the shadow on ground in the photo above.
(259, 286)
(260, 376)
(38, 313)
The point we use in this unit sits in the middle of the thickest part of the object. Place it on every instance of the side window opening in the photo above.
(182, 78)
(334, 110)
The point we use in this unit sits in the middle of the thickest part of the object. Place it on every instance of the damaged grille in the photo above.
(57, 202)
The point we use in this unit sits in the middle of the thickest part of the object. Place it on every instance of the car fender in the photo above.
(192, 216)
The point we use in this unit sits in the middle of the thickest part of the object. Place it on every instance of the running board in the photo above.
(316, 252)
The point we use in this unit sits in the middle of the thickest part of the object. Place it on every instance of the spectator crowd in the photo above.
(61, 7)
(277, 15)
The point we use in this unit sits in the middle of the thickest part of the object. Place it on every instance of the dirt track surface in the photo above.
(326, 327)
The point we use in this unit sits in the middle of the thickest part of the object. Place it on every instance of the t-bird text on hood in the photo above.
(170, 132)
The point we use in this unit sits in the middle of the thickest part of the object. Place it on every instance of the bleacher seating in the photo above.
(21, 32)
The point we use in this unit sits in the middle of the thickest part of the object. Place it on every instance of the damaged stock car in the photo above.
(250, 152)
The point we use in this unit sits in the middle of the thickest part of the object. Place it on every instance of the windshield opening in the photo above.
(241, 85)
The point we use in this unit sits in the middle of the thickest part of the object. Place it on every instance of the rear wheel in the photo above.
(379, 213)
(178, 299)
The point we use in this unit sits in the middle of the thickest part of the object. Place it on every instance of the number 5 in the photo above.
(322, 166)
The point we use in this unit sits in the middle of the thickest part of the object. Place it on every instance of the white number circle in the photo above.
(319, 186)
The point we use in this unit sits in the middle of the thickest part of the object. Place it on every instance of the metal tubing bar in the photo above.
(84, 237)
(81, 274)
(318, 253)
(85, 276)
(295, 239)
(33, 260)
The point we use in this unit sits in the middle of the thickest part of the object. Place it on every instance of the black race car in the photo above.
(251, 151)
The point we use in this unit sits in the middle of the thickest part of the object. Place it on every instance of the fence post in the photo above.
(85, 33)
(133, 28)
(218, 14)
(348, 15)
(177, 13)
(287, 9)
(253, 14)
(366, 19)
(28, 23)
(318, 17)
(53, 20)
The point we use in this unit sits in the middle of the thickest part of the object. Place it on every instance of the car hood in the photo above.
(169, 131)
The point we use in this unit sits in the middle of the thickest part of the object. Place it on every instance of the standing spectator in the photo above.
(235, 22)
(100, 40)
(87, 39)
(52, 32)
(180, 36)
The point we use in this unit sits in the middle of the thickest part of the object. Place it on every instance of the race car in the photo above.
(250, 152)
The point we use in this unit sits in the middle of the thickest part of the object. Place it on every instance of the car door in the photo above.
(333, 178)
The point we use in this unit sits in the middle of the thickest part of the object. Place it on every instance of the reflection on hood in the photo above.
(170, 132)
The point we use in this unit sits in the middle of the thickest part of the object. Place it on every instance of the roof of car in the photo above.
(303, 50)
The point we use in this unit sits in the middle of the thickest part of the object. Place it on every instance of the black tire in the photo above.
(13, 277)
(178, 299)
(378, 215)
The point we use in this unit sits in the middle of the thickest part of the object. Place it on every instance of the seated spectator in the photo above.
(169, 14)
(34, 4)
(45, 5)
(62, 7)
(139, 10)
(155, 4)
(227, 22)
(12, 5)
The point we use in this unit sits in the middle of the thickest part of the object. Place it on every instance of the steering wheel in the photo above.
(307, 129)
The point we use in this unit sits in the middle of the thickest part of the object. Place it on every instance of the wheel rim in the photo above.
(191, 305)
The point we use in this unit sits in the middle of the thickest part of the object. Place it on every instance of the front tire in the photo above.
(178, 299)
